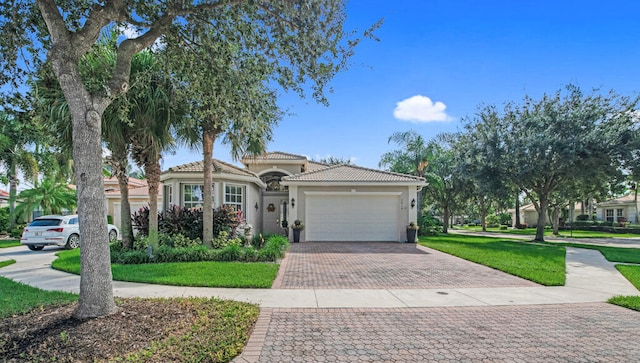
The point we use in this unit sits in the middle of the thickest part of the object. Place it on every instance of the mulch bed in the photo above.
(53, 334)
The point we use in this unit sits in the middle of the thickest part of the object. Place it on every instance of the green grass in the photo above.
(612, 254)
(549, 232)
(632, 273)
(7, 263)
(5, 243)
(206, 274)
(218, 334)
(539, 263)
(17, 298)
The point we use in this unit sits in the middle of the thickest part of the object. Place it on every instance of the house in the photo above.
(138, 196)
(334, 202)
(4, 198)
(622, 208)
(529, 214)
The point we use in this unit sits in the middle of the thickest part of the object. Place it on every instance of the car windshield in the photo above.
(45, 222)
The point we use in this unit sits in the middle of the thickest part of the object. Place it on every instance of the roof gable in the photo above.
(219, 167)
(273, 156)
(351, 174)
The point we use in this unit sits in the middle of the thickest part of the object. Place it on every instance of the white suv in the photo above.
(57, 231)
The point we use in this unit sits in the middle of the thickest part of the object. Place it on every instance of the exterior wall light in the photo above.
(256, 206)
(293, 202)
(413, 203)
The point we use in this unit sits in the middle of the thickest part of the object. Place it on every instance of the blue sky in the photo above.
(458, 54)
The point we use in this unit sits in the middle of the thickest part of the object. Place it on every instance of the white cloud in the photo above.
(421, 109)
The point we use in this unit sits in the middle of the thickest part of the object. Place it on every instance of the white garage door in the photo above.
(370, 217)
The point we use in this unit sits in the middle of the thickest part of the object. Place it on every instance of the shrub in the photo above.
(582, 217)
(492, 219)
(188, 222)
(428, 224)
(274, 248)
(223, 240)
(178, 241)
(4, 219)
(504, 218)
(250, 255)
(230, 252)
(16, 232)
(503, 228)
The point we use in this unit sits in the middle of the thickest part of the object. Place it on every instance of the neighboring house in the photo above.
(4, 198)
(335, 203)
(618, 209)
(138, 197)
(529, 214)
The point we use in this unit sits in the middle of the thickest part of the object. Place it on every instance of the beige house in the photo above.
(335, 203)
(4, 198)
(529, 214)
(138, 197)
(618, 209)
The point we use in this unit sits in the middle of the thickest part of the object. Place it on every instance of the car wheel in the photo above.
(35, 247)
(73, 242)
(113, 235)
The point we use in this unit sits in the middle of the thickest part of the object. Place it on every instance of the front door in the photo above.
(274, 212)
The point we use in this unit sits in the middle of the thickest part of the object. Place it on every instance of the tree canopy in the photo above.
(305, 41)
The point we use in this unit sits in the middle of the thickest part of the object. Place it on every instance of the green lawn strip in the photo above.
(548, 232)
(205, 274)
(7, 263)
(632, 273)
(17, 298)
(612, 254)
(539, 263)
(218, 334)
(6, 243)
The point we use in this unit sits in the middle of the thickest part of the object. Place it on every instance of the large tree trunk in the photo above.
(152, 171)
(96, 291)
(208, 139)
(445, 217)
(556, 220)
(119, 169)
(483, 220)
(13, 192)
(542, 211)
(517, 211)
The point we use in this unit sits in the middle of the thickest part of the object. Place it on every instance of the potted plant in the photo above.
(297, 226)
(412, 232)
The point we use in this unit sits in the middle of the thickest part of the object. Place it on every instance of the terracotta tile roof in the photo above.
(351, 173)
(4, 194)
(625, 199)
(274, 155)
(314, 166)
(133, 182)
(218, 167)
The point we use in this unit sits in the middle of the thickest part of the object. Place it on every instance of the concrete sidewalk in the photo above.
(590, 278)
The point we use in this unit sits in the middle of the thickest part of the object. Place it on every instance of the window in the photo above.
(234, 196)
(192, 196)
(609, 215)
(620, 213)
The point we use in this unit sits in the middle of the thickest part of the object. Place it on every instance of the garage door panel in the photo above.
(352, 218)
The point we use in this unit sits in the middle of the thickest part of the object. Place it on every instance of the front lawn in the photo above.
(632, 273)
(6, 243)
(205, 274)
(539, 263)
(16, 298)
(549, 232)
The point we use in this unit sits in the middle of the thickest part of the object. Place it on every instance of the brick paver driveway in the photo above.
(380, 265)
(537, 333)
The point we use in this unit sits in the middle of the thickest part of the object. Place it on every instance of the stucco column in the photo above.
(293, 209)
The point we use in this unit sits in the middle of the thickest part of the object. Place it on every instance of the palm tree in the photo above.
(228, 98)
(50, 196)
(412, 158)
(153, 110)
(15, 135)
